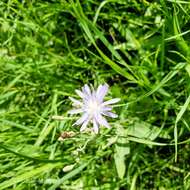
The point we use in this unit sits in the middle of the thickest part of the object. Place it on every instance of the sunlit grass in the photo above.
(49, 49)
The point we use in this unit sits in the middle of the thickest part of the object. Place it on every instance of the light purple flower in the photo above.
(92, 107)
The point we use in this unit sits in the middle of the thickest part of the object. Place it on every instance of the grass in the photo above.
(50, 48)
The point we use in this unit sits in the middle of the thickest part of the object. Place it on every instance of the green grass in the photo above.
(50, 48)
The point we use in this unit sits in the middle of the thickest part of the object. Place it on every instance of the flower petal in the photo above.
(82, 119)
(106, 108)
(101, 92)
(101, 120)
(112, 101)
(86, 90)
(84, 125)
(75, 101)
(110, 114)
(80, 93)
(75, 111)
(95, 126)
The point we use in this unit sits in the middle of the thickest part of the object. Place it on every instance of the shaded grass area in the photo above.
(50, 48)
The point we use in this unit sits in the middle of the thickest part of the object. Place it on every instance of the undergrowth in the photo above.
(50, 48)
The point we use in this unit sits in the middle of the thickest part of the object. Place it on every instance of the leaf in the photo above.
(46, 130)
(188, 69)
(145, 130)
(168, 77)
(121, 150)
(91, 31)
(69, 175)
(14, 124)
(178, 118)
(177, 31)
(27, 175)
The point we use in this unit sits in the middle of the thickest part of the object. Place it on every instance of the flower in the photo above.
(92, 107)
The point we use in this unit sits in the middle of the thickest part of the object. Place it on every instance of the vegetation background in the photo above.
(50, 48)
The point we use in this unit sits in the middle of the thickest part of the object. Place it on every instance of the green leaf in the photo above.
(46, 130)
(188, 69)
(27, 175)
(69, 175)
(121, 150)
(178, 118)
(145, 130)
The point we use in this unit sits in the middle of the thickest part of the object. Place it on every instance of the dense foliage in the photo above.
(50, 48)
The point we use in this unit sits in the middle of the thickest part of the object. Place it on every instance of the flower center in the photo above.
(93, 107)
